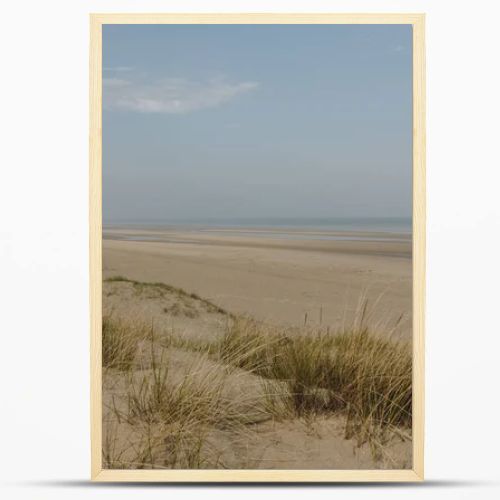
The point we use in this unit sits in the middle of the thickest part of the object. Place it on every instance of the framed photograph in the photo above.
(257, 247)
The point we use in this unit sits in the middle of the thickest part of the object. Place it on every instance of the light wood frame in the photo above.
(95, 179)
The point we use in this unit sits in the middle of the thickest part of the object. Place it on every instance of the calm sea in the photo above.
(351, 224)
(395, 229)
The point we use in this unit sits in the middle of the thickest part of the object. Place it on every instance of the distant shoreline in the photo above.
(172, 233)
(399, 225)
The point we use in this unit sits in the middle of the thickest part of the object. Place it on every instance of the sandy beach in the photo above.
(190, 382)
(280, 276)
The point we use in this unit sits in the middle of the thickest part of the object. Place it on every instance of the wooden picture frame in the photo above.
(97, 471)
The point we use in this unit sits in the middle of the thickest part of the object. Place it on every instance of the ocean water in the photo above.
(332, 229)
(399, 225)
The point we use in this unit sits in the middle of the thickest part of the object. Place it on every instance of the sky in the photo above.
(256, 121)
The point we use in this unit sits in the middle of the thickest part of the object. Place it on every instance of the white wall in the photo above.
(44, 416)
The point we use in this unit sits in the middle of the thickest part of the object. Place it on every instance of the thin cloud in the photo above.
(171, 95)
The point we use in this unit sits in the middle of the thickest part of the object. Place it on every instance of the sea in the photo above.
(324, 228)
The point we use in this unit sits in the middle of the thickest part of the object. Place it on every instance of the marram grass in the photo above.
(305, 373)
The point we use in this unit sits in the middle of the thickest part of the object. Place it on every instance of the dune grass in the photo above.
(119, 342)
(170, 417)
(305, 372)
(365, 376)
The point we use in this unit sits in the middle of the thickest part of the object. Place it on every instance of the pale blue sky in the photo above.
(256, 121)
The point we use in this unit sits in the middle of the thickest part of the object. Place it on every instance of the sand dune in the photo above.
(211, 413)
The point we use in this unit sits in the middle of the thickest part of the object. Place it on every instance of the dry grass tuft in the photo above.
(365, 376)
(119, 342)
(171, 416)
(305, 372)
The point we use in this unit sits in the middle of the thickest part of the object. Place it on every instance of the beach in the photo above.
(261, 334)
(289, 276)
